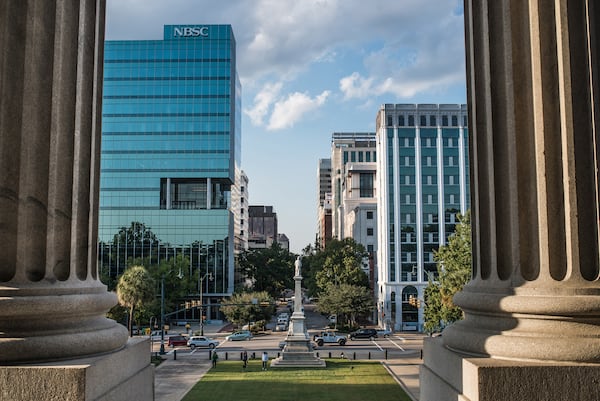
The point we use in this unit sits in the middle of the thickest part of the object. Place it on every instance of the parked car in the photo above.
(329, 337)
(177, 340)
(239, 336)
(363, 333)
(201, 342)
(384, 333)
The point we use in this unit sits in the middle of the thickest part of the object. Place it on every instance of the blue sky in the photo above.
(310, 68)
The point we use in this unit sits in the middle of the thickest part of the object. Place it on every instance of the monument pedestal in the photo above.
(298, 351)
(119, 376)
(449, 375)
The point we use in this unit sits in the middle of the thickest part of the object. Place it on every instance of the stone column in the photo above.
(532, 75)
(52, 304)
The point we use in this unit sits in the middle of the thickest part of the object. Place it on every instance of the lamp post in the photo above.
(162, 311)
(201, 280)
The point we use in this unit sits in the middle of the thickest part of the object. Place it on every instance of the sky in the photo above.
(309, 68)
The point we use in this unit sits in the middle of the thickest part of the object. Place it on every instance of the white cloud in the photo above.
(288, 111)
(262, 102)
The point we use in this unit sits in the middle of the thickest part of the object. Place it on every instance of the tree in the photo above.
(270, 269)
(454, 271)
(346, 300)
(136, 233)
(135, 288)
(248, 307)
(341, 264)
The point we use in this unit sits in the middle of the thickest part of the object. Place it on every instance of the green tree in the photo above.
(270, 269)
(454, 271)
(246, 307)
(135, 288)
(136, 233)
(341, 264)
(347, 301)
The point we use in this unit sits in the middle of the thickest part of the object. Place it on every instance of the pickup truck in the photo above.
(329, 337)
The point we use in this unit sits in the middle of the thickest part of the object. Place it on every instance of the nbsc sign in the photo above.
(190, 31)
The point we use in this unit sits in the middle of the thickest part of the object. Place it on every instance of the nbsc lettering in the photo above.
(190, 31)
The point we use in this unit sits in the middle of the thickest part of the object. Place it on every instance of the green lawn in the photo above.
(341, 380)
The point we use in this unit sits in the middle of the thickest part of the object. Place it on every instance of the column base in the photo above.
(124, 375)
(448, 375)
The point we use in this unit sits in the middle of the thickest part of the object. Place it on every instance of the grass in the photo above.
(341, 380)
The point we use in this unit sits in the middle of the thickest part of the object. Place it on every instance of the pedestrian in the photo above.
(214, 358)
(265, 359)
(245, 359)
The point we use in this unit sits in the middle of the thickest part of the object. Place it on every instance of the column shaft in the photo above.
(52, 304)
(532, 71)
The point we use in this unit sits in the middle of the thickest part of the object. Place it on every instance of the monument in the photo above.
(55, 341)
(298, 350)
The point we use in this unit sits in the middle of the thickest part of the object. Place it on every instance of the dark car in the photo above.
(363, 333)
(177, 340)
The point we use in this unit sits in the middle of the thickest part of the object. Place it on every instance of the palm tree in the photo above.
(135, 288)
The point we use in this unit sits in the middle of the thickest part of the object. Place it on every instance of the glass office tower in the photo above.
(170, 148)
(423, 181)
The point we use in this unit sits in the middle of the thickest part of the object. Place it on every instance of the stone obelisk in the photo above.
(298, 350)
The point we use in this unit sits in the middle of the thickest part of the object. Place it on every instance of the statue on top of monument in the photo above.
(298, 264)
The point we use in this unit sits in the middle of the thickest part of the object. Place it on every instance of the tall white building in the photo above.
(354, 190)
(423, 183)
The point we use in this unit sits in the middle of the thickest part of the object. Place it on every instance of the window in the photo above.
(444, 121)
(345, 157)
(183, 193)
(401, 121)
(454, 121)
(390, 121)
(353, 157)
(367, 157)
(370, 248)
(369, 215)
(366, 185)
(370, 231)
(411, 120)
(423, 120)
(361, 156)
(432, 121)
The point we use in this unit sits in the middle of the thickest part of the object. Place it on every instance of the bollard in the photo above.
(329, 354)
(369, 355)
(354, 357)
(174, 354)
(226, 355)
(253, 355)
(386, 354)
(317, 355)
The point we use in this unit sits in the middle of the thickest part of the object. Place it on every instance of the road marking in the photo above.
(377, 345)
(393, 342)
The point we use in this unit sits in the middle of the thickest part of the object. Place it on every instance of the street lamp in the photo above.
(162, 311)
(200, 280)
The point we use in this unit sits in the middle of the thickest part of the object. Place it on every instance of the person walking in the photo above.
(214, 359)
(265, 359)
(245, 359)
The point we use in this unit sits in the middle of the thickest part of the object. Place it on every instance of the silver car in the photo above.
(201, 342)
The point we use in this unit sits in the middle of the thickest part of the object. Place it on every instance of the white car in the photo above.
(201, 342)
(384, 333)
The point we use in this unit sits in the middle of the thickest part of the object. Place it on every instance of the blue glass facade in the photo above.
(170, 147)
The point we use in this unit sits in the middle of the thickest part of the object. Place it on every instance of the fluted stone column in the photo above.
(534, 300)
(52, 304)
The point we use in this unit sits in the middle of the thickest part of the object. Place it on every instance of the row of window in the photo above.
(426, 120)
(360, 156)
